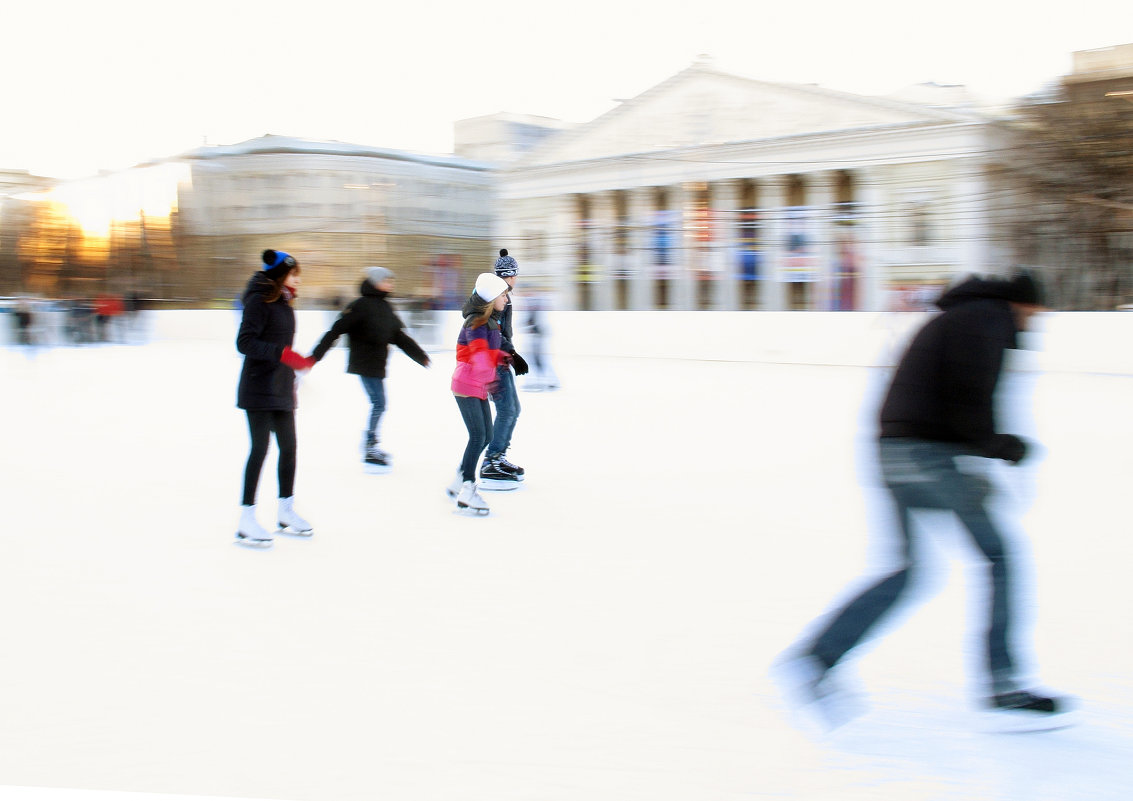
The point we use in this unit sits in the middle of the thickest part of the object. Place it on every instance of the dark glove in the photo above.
(1007, 447)
(295, 361)
(519, 364)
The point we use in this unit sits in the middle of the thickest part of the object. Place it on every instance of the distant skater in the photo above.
(940, 406)
(372, 325)
(267, 391)
(478, 355)
(537, 326)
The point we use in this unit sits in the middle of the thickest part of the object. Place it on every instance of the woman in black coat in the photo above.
(267, 390)
(372, 326)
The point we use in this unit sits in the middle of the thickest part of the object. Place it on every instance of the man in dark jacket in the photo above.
(372, 326)
(940, 406)
(496, 470)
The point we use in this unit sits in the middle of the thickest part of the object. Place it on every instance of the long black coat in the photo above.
(944, 387)
(371, 326)
(265, 330)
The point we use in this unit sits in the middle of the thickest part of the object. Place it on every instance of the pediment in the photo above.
(701, 106)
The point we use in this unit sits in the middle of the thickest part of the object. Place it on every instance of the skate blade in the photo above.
(377, 469)
(498, 485)
(248, 542)
(468, 511)
(999, 722)
(295, 532)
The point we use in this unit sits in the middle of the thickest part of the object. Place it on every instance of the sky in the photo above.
(92, 86)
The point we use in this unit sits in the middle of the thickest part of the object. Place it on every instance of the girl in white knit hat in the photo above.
(478, 354)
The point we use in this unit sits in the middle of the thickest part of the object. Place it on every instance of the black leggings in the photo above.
(477, 416)
(260, 425)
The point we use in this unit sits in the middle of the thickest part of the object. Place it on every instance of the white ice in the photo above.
(605, 634)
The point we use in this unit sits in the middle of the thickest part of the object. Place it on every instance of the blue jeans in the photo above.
(375, 388)
(507, 410)
(477, 415)
(923, 475)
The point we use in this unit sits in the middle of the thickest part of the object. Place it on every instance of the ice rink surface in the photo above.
(605, 634)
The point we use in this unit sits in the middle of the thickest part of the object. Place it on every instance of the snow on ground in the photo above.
(605, 634)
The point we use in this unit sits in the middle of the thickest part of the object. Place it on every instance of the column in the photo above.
(724, 200)
(869, 233)
(773, 199)
(820, 195)
(640, 259)
(683, 277)
(603, 219)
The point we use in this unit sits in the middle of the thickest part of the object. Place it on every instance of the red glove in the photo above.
(295, 361)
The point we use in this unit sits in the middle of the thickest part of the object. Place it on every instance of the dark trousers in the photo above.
(375, 389)
(507, 411)
(260, 425)
(923, 475)
(477, 416)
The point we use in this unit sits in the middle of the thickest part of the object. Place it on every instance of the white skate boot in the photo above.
(290, 522)
(250, 532)
(453, 489)
(469, 500)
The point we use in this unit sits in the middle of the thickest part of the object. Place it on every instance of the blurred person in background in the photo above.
(479, 353)
(108, 309)
(372, 326)
(267, 391)
(536, 323)
(497, 472)
(940, 407)
(25, 320)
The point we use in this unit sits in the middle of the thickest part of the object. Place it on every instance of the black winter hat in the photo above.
(506, 266)
(278, 264)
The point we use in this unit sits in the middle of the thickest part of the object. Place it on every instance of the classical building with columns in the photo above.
(714, 191)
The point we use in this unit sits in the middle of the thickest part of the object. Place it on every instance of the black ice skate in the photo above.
(495, 478)
(377, 460)
(1024, 711)
(501, 461)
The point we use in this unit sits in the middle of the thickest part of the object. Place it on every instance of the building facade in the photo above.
(189, 229)
(713, 191)
(338, 208)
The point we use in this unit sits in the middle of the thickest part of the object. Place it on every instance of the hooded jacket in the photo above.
(372, 326)
(265, 330)
(478, 353)
(503, 320)
(944, 386)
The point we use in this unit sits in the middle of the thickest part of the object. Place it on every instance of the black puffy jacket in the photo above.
(944, 387)
(265, 330)
(371, 326)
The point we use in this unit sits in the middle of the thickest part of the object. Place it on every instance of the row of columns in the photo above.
(601, 249)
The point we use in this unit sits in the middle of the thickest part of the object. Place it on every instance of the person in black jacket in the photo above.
(940, 406)
(372, 326)
(496, 471)
(267, 390)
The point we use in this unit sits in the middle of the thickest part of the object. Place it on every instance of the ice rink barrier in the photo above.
(1086, 342)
